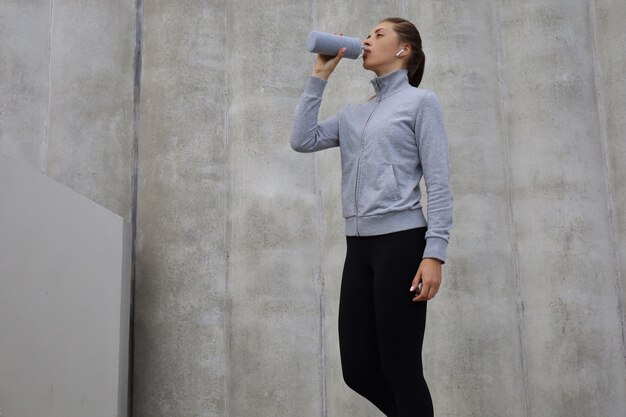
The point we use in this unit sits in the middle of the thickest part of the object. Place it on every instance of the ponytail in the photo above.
(417, 70)
(407, 32)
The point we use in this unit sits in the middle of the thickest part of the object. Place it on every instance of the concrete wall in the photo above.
(611, 93)
(64, 300)
(181, 304)
(239, 239)
(66, 82)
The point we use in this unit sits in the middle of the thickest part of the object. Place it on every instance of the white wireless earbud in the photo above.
(400, 51)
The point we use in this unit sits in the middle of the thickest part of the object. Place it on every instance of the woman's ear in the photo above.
(405, 50)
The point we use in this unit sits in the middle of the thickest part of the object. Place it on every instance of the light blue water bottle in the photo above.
(328, 44)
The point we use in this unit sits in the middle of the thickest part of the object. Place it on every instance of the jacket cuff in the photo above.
(315, 86)
(436, 248)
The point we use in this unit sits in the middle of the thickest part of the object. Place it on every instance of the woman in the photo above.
(394, 256)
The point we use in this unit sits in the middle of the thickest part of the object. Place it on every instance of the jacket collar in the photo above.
(390, 83)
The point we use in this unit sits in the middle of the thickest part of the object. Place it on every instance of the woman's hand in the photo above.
(325, 65)
(429, 273)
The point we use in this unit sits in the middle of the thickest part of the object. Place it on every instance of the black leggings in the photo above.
(380, 328)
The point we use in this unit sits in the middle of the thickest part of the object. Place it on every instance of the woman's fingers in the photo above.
(332, 62)
(415, 286)
(416, 280)
(325, 65)
(427, 293)
(429, 274)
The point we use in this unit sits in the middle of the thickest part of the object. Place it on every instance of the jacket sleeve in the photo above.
(432, 143)
(307, 135)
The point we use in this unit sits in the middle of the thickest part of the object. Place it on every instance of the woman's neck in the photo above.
(380, 74)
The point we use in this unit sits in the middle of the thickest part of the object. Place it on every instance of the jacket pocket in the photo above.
(383, 190)
(391, 183)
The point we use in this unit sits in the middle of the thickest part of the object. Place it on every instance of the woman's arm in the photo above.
(433, 150)
(307, 135)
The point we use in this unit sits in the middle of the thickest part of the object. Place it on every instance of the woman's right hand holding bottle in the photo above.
(325, 64)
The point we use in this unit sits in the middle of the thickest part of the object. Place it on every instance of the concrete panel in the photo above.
(566, 264)
(610, 38)
(24, 77)
(64, 300)
(276, 362)
(180, 306)
(91, 104)
(473, 350)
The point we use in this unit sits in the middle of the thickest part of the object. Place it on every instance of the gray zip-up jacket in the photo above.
(386, 145)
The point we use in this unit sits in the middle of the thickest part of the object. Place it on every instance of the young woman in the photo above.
(394, 255)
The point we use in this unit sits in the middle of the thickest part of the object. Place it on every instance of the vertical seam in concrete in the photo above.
(320, 273)
(134, 191)
(597, 67)
(227, 223)
(43, 152)
(502, 87)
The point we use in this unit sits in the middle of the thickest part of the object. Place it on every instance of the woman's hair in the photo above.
(407, 32)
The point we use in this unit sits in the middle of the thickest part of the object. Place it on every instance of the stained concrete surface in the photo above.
(239, 239)
(181, 308)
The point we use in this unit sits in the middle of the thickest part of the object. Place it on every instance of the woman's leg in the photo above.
(358, 340)
(401, 322)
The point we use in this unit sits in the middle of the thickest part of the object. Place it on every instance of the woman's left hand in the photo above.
(429, 273)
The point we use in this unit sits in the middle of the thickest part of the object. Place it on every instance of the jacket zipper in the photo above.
(358, 166)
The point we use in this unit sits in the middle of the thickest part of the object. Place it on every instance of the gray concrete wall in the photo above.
(611, 93)
(181, 362)
(565, 254)
(239, 239)
(64, 300)
(66, 82)
(273, 263)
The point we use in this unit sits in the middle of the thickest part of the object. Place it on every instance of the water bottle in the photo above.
(328, 44)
